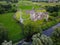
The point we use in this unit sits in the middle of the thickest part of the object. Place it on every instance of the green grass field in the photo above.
(14, 29)
(28, 5)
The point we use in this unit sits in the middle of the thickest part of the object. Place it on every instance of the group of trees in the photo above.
(56, 36)
(41, 39)
(8, 6)
(13, 1)
(3, 34)
(4, 8)
(32, 28)
(53, 10)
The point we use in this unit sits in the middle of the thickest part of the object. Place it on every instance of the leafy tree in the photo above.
(56, 36)
(30, 29)
(52, 8)
(46, 40)
(3, 34)
(4, 8)
(36, 40)
(55, 14)
(13, 1)
(39, 39)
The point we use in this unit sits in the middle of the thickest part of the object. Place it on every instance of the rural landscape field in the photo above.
(29, 22)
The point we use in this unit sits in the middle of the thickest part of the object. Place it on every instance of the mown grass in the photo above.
(28, 5)
(46, 3)
(14, 29)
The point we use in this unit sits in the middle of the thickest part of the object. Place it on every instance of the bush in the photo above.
(53, 8)
(3, 34)
(30, 29)
(13, 8)
(50, 9)
(55, 14)
(13, 1)
(40, 39)
(51, 18)
(44, 27)
(56, 36)
(4, 8)
(49, 24)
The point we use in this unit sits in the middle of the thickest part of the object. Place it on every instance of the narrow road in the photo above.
(46, 32)
(50, 30)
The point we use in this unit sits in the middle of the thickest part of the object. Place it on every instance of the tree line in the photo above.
(5, 8)
(13, 1)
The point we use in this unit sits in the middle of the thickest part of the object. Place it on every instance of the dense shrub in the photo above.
(51, 18)
(49, 8)
(3, 34)
(50, 23)
(40, 39)
(13, 1)
(53, 8)
(55, 14)
(44, 27)
(30, 29)
(56, 36)
(4, 8)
